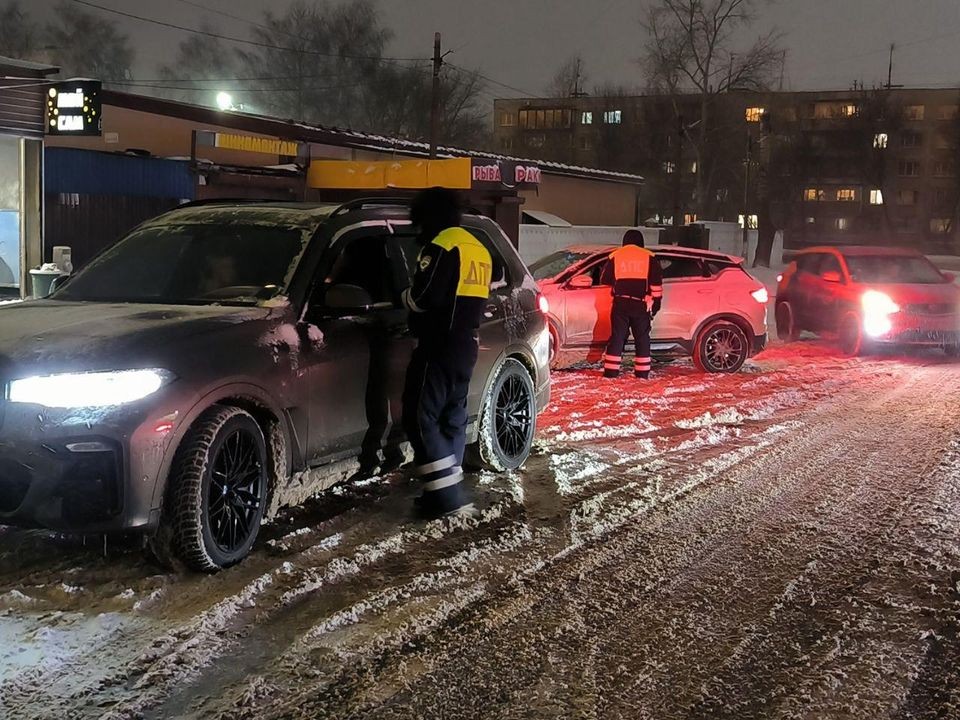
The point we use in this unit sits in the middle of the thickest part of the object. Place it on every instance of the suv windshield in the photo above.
(893, 269)
(555, 263)
(192, 264)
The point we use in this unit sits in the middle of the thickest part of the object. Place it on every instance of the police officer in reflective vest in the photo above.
(635, 275)
(450, 289)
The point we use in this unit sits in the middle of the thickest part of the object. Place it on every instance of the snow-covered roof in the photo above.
(304, 132)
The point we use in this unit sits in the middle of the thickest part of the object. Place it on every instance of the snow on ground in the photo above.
(751, 545)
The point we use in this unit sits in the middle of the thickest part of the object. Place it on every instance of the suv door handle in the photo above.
(704, 292)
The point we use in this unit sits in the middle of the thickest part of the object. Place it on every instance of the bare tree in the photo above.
(84, 44)
(315, 60)
(397, 103)
(18, 33)
(200, 59)
(691, 49)
(569, 80)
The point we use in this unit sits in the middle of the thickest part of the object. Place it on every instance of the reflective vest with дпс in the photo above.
(451, 285)
(636, 276)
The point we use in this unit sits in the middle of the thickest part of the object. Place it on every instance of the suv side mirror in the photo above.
(831, 276)
(59, 282)
(581, 282)
(351, 298)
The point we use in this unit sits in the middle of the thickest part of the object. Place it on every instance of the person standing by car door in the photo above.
(637, 287)
(446, 302)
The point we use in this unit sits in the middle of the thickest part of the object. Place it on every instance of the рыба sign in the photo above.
(73, 108)
(506, 173)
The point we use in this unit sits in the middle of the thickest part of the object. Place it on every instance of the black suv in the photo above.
(194, 376)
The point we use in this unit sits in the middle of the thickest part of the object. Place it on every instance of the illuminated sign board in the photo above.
(253, 143)
(509, 174)
(73, 108)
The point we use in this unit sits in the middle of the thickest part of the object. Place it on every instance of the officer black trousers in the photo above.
(435, 418)
(628, 316)
(377, 404)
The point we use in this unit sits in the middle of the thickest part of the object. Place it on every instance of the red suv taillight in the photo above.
(761, 296)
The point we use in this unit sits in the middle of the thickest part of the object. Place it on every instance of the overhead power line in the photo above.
(207, 8)
(493, 81)
(244, 41)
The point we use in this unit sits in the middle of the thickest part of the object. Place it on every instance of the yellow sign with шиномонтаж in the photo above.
(253, 143)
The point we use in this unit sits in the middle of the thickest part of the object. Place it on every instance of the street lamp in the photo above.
(224, 101)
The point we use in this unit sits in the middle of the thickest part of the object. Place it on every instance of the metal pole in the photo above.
(435, 97)
(746, 198)
(678, 162)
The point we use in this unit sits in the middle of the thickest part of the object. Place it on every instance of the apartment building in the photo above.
(874, 166)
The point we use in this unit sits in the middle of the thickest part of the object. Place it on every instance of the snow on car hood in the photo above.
(51, 336)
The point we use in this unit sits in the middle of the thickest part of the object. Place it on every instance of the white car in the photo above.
(713, 309)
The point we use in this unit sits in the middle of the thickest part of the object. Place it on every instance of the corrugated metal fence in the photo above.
(93, 198)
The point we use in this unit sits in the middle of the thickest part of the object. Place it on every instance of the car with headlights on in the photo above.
(713, 310)
(868, 297)
(203, 372)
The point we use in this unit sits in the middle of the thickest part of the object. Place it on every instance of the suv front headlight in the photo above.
(87, 390)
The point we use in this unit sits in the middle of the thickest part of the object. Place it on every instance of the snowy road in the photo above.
(780, 543)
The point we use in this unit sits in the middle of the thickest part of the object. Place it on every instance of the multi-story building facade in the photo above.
(862, 166)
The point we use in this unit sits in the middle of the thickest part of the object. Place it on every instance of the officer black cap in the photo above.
(434, 210)
(633, 237)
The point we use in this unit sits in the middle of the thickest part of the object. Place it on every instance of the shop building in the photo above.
(152, 154)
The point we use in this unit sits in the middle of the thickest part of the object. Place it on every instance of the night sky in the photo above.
(830, 43)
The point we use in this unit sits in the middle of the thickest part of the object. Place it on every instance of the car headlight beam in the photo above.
(877, 309)
(87, 390)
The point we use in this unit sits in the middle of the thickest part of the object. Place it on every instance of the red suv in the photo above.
(869, 296)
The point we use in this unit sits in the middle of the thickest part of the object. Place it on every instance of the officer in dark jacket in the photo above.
(634, 274)
(450, 289)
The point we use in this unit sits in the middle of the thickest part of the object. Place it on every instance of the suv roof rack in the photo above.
(390, 201)
(367, 201)
(224, 201)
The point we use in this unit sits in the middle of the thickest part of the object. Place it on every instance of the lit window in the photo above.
(940, 226)
(846, 195)
(913, 112)
(613, 117)
(524, 118)
(876, 197)
(880, 140)
(669, 167)
(849, 110)
(507, 119)
(688, 219)
(754, 114)
(948, 112)
(693, 168)
(841, 223)
(751, 220)
(813, 194)
(586, 118)
(810, 220)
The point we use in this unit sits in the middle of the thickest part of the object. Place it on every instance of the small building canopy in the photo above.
(540, 217)
(11, 68)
